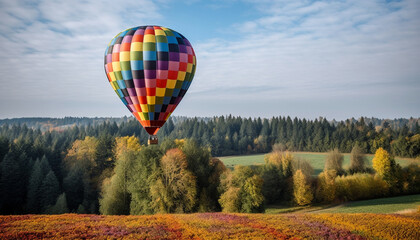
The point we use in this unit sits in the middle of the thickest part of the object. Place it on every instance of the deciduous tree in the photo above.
(326, 188)
(386, 167)
(302, 192)
(382, 162)
(241, 191)
(357, 160)
(334, 161)
(115, 197)
(142, 175)
(175, 187)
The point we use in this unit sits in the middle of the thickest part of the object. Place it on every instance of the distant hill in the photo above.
(48, 124)
(395, 123)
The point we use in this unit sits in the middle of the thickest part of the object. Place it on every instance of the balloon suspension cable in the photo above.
(153, 139)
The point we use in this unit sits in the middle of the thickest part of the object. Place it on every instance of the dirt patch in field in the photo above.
(406, 211)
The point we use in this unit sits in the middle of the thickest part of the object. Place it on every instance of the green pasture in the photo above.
(380, 205)
(317, 160)
(245, 160)
(401, 204)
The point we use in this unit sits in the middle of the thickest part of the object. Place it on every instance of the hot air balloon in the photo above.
(150, 68)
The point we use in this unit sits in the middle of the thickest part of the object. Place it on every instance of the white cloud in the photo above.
(298, 53)
(52, 50)
(308, 50)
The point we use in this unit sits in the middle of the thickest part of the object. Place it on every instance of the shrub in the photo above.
(360, 186)
(326, 189)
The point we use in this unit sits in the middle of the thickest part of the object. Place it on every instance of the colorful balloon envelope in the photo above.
(150, 68)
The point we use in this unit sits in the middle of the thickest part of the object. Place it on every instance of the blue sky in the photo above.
(335, 59)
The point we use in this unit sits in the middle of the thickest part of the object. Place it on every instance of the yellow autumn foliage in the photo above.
(82, 152)
(301, 189)
(123, 144)
(382, 162)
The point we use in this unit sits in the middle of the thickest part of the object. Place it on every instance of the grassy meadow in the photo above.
(400, 204)
(317, 160)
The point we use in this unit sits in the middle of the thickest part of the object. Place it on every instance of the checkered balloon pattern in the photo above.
(150, 68)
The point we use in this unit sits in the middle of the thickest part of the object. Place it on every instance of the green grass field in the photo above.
(317, 160)
(380, 205)
(245, 160)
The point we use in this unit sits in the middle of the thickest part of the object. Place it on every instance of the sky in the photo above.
(255, 58)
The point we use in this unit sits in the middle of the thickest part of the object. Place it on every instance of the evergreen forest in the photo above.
(105, 166)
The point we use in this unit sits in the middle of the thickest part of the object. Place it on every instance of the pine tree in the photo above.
(4, 147)
(104, 157)
(60, 206)
(417, 128)
(12, 185)
(45, 166)
(73, 185)
(82, 210)
(35, 182)
(49, 190)
(265, 130)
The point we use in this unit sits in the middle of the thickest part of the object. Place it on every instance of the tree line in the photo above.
(229, 135)
(86, 169)
(235, 135)
(118, 175)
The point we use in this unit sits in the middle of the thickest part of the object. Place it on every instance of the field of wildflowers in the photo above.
(213, 226)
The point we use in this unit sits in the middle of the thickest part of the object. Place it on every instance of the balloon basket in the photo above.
(153, 139)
